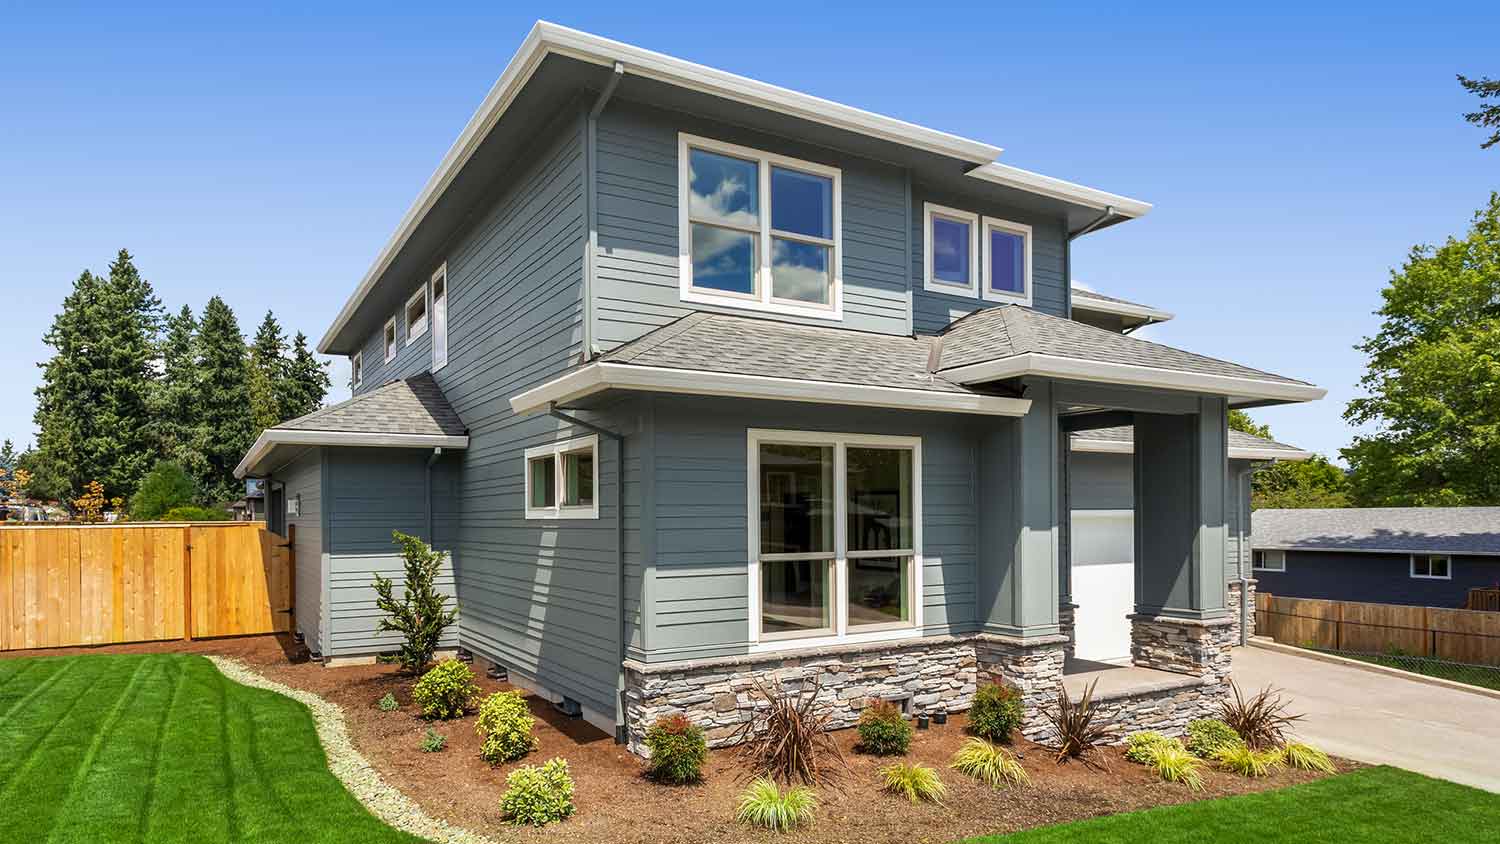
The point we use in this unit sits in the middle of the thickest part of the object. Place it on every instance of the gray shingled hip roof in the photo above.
(1399, 530)
(409, 413)
(1093, 300)
(1242, 446)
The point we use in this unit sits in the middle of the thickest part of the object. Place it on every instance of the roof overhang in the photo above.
(1237, 389)
(1120, 309)
(1080, 442)
(601, 376)
(261, 454)
(1069, 192)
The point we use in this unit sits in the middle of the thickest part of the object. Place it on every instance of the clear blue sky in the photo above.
(1294, 153)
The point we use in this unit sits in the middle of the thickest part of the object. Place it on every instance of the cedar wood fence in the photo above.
(102, 584)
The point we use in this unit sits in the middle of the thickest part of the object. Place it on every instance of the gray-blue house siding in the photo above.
(1377, 578)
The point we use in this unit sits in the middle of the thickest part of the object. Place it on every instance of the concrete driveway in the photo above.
(1382, 719)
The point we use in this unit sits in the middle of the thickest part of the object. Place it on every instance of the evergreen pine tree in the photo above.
(176, 397)
(308, 380)
(7, 456)
(129, 319)
(69, 392)
(225, 430)
(269, 372)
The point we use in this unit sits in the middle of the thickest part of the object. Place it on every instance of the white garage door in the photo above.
(1103, 550)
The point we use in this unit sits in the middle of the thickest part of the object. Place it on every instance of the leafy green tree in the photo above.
(224, 432)
(167, 486)
(1292, 484)
(1433, 379)
(1239, 420)
(419, 615)
(175, 400)
(307, 382)
(1488, 115)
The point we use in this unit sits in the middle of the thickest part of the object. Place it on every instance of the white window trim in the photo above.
(762, 299)
(557, 450)
(440, 273)
(1412, 559)
(413, 336)
(1009, 227)
(929, 282)
(760, 643)
(1266, 553)
(357, 369)
(389, 349)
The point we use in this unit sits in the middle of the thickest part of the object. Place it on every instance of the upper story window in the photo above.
(439, 318)
(974, 256)
(758, 230)
(388, 339)
(1431, 566)
(357, 370)
(416, 315)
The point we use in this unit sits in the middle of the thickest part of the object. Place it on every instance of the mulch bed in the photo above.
(616, 804)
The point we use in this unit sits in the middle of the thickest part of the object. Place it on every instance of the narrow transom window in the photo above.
(1268, 560)
(416, 315)
(562, 481)
(758, 230)
(439, 318)
(835, 525)
(357, 370)
(388, 336)
(1431, 566)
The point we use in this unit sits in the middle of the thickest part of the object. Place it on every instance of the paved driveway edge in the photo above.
(1267, 644)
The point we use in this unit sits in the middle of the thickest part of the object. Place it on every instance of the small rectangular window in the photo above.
(1007, 261)
(389, 339)
(951, 247)
(562, 481)
(1268, 560)
(356, 370)
(416, 315)
(1431, 566)
(543, 481)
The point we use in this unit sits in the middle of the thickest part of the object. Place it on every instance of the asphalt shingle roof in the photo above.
(413, 405)
(1445, 530)
(1237, 439)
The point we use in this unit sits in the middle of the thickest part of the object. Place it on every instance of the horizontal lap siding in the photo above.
(699, 581)
(304, 478)
(1375, 578)
(637, 262)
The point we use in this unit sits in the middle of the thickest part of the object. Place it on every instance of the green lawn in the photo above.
(163, 748)
(1370, 806)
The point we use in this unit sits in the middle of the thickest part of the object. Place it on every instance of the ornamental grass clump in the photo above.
(916, 782)
(505, 724)
(446, 691)
(996, 712)
(1247, 762)
(1305, 757)
(536, 795)
(1078, 728)
(989, 763)
(1262, 720)
(883, 730)
(765, 805)
(678, 750)
(1207, 736)
(786, 738)
(1173, 763)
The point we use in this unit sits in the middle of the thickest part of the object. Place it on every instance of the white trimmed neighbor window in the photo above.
(835, 538)
(1268, 560)
(357, 370)
(388, 339)
(977, 257)
(1432, 566)
(440, 318)
(416, 315)
(562, 479)
(759, 231)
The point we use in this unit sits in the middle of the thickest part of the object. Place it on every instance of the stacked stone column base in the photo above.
(1234, 609)
(1197, 647)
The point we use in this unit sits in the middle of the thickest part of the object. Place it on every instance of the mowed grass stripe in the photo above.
(192, 773)
(48, 671)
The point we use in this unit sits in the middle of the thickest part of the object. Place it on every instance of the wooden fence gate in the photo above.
(103, 584)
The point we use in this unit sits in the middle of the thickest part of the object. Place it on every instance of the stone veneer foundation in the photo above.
(1198, 648)
(1234, 609)
(1165, 708)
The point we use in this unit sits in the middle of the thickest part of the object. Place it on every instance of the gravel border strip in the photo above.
(383, 800)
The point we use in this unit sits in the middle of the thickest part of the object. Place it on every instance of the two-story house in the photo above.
(701, 380)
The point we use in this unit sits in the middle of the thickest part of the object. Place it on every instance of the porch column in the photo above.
(1181, 467)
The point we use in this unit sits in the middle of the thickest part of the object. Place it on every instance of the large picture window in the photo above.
(759, 231)
(835, 527)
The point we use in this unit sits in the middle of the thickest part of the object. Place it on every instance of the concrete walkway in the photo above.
(1380, 719)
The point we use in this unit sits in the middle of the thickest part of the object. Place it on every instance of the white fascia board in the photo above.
(546, 38)
(270, 438)
(1025, 180)
(1082, 443)
(598, 377)
(1099, 306)
(1078, 369)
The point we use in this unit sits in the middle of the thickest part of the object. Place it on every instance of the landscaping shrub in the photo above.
(678, 750)
(165, 487)
(194, 513)
(537, 795)
(433, 741)
(787, 739)
(1247, 762)
(1207, 736)
(916, 782)
(419, 616)
(505, 723)
(388, 703)
(996, 712)
(989, 763)
(765, 805)
(1173, 763)
(1306, 757)
(1078, 733)
(883, 730)
(1138, 746)
(446, 691)
(1261, 721)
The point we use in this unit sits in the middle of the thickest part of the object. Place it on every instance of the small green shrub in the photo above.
(421, 614)
(1138, 746)
(1240, 759)
(194, 513)
(678, 750)
(446, 691)
(1306, 757)
(433, 741)
(1208, 736)
(537, 795)
(996, 712)
(883, 730)
(765, 805)
(916, 782)
(989, 763)
(164, 488)
(505, 723)
(1173, 763)
(388, 703)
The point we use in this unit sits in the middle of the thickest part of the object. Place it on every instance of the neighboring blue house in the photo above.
(1422, 556)
(702, 380)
